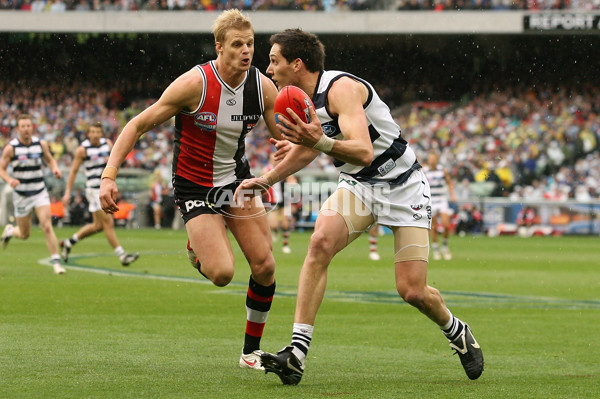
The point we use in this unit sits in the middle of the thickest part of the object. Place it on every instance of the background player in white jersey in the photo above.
(215, 105)
(441, 187)
(92, 154)
(25, 154)
(380, 182)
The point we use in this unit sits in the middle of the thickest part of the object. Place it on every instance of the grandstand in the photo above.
(510, 97)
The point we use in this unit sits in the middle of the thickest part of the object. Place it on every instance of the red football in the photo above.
(295, 98)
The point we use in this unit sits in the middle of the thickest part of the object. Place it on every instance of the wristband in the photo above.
(325, 144)
(271, 177)
(110, 172)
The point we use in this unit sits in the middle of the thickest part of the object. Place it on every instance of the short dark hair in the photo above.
(23, 116)
(95, 124)
(295, 43)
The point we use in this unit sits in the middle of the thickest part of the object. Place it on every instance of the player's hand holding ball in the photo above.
(296, 118)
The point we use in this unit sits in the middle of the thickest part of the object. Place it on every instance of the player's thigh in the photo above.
(209, 240)
(356, 216)
(44, 215)
(250, 228)
(411, 253)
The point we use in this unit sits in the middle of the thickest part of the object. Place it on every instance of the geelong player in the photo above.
(26, 154)
(215, 105)
(441, 186)
(380, 182)
(92, 154)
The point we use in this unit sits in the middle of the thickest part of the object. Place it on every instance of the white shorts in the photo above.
(24, 205)
(440, 205)
(394, 205)
(93, 197)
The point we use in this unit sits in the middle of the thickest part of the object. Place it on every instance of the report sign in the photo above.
(562, 21)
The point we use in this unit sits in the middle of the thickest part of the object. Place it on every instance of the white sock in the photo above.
(119, 251)
(301, 337)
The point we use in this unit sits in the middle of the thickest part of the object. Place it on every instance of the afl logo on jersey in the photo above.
(206, 120)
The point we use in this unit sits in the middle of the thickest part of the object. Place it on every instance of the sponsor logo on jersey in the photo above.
(206, 120)
(245, 118)
(416, 207)
(231, 102)
(417, 216)
(386, 167)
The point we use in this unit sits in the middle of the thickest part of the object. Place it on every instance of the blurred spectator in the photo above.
(78, 209)
(526, 217)
(125, 216)
(57, 211)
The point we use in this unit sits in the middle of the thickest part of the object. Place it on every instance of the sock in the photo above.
(453, 328)
(55, 259)
(72, 241)
(373, 242)
(286, 237)
(258, 304)
(445, 243)
(119, 251)
(434, 246)
(301, 337)
(8, 230)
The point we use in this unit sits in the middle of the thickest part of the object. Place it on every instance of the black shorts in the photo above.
(193, 199)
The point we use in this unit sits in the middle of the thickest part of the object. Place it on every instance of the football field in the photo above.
(157, 329)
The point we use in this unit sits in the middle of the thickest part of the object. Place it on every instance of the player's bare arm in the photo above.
(49, 159)
(7, 154)
(450, 185)
(183, 94)
(77, 160)
(346, 98)
(269, 94)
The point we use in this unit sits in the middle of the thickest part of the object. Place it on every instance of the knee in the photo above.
(264, 269)
(321, 244)
(24, 234)
(221, 279)
(413, 296)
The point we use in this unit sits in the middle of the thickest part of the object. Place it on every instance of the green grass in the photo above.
(156, 330)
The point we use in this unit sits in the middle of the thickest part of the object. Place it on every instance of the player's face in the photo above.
(25, 129)
(95, 134)
(280, 71)
(238, 49)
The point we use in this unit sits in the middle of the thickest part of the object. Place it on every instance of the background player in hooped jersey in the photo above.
(441, 186)
(280, 216)
(26, 154)
(215, 105)
(92, 154)
(380, 182)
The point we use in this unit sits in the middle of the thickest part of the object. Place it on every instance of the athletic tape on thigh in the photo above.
(345, 203)
(411, 243)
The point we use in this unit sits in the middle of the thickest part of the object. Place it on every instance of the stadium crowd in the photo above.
(528, 143)
(295, 5)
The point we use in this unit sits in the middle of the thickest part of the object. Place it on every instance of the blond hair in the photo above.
(230, 19)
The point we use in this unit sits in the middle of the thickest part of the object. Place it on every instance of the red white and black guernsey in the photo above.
(209, 141)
